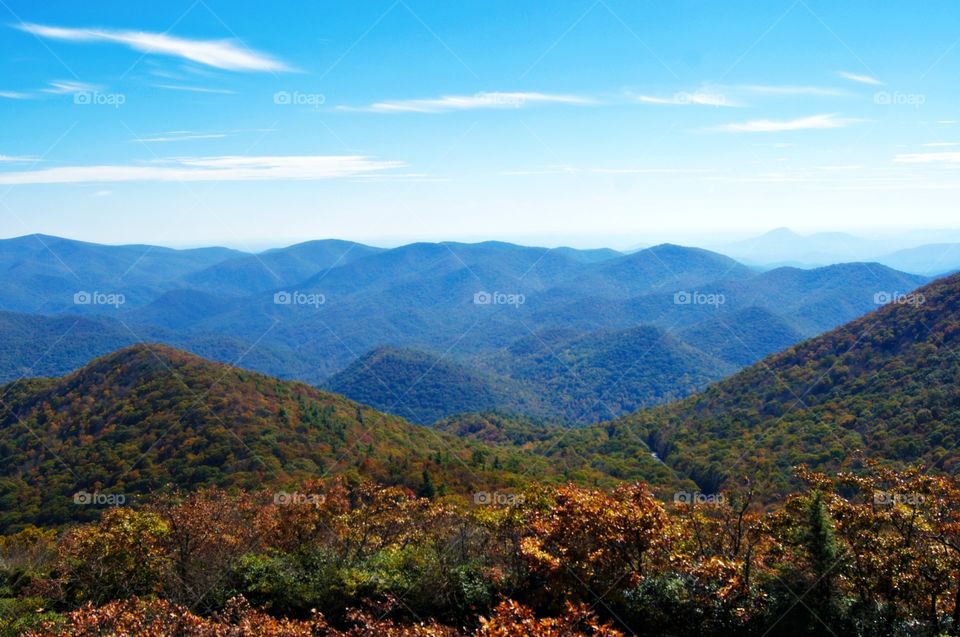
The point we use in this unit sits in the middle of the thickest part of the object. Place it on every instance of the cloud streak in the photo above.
(860, 79)
(813, 122)
(179, 136)
(194, 89)
(221, 54)
(223, 168)
(694, 98)
(484, 100)
(928, 158)
(774, 90)
(68, 87)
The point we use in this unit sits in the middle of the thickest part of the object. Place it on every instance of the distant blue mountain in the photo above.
(311, 310)
(935, 259)
(41, 273)
(276, 268)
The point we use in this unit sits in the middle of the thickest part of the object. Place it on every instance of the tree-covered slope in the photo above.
(148, 417)
(420, 386)
(41, 345)
(559, 375)
(602, 375)
(886, 385)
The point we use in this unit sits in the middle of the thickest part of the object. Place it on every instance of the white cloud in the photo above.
(928, 158)
(860, 79)
(825, 121)
(449, 103)
(818, 91)
(941, 144)
(692, 98)
(64, 87)
(7, 159)
(221, 54)
(194, 89)
(179, 136)
(564, 169)
(840, 167)
(225, 168)
(14, 95)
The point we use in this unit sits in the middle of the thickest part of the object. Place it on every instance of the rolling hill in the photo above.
(39, 345)
(276, 268)
(419, 386)
(883, 387)
(562, 376)
(151, 417)
(42, 273)
(930, 259)
(604, 374)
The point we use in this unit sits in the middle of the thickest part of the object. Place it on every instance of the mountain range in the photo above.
(545, 332)
(920, 252)
(882, 388)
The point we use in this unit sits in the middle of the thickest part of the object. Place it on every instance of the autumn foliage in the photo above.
(872, 553)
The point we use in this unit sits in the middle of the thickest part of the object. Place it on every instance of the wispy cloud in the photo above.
(194, 89)
(221, 54)
(14, 95)
(813, 122)
(691, 98)
(9, 159)
(565, 169)
(223, 168)
(941, 144)
(485, 100)
(773, 90)
(178, 136)
(928, 158)
(67, 87)
(861, 79)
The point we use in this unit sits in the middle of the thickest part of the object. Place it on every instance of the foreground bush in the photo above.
(872, 553)
(163, 619)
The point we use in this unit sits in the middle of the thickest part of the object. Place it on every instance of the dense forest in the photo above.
(886, 386)
(869, 554)
(150, 418)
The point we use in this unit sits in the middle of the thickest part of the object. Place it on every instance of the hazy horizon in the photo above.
(904, 238)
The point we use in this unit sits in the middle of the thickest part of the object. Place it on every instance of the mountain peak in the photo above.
(781, 233)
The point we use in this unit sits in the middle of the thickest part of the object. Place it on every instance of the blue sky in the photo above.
(588, 123)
